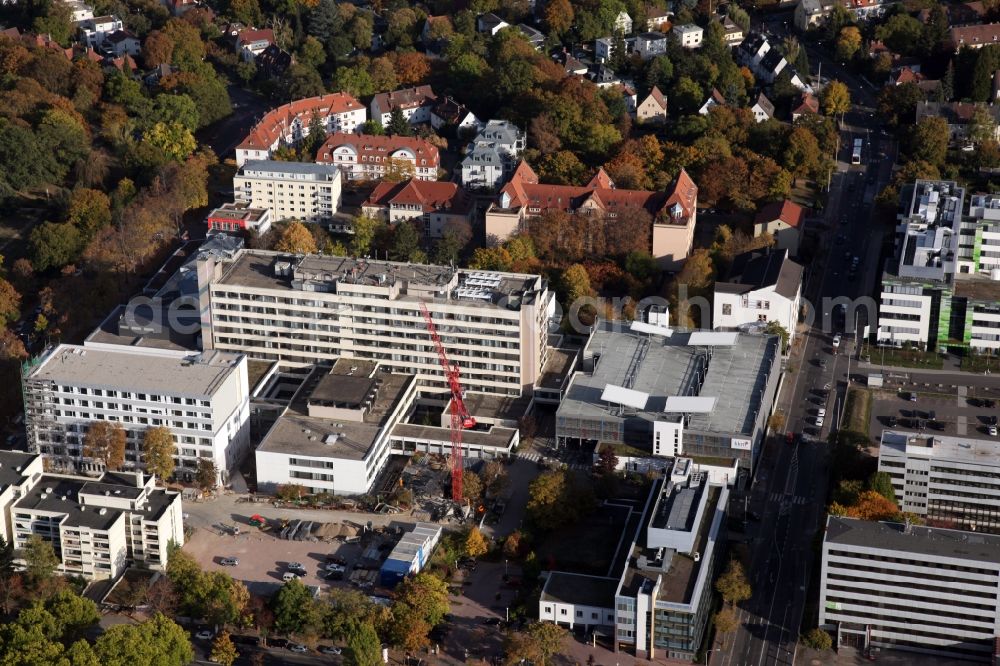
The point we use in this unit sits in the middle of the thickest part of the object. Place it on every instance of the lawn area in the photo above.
(587, 547)
(858, 411)
(907, 358)
(980, 363)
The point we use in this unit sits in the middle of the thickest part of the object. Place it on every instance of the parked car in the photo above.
(288, 575)
(204, 635)
(836, 341)
(298, 647)
(329, 649)
(230, 561)
(993, 431)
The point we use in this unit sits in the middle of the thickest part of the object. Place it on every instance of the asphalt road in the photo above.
(224, 135)
(789, 492)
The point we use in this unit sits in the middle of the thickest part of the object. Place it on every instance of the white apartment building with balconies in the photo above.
(202, 398)
(97, 527)
(910, 588)
(309, 309)
(290, 190)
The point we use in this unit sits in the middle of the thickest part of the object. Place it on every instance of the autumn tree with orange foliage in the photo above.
(411, 68)
(869, 506)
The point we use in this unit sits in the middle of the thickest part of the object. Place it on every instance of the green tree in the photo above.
(246, 12)
(836, 99)
(817, 639)
(365, 230)
(803, 153)
(848, 43)
(57, 22)
(725, 621)
(733, 585)
(881, 483)
(105, 442)
(475, 544)
(405, 241)
(40, 561)
(575, 283)
(7, 557)
(89, 211)
(175, 108)
(294, 608)
(206, 474)
(157, 641)
(929, 141)
(311, 52)
(421, 603)
(296, 239)
(54, 245)
(687, 96)
(373, 127)
(158, 451)
(398, 124)
(363, 646)
(775, 328)
(223, 650)
(548, 638)
(556, 499)
(901, 33)
(174, 139)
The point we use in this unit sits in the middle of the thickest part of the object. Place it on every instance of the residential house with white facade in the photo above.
(650, 44)
(762, 286)
(251, 42)
(653, 109)
(289, 123)
(98, 526)
(290, 190)
(449, 113)
(762, 109)
(95, 30)
(371, 157)
(490, 24)
(623, 23)
(203, 399)
(492, 155)
(415, 103)
(19, 472)
(689, 35)
(123, 42)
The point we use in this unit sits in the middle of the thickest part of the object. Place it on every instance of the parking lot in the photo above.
(940, 413)
(264, 559)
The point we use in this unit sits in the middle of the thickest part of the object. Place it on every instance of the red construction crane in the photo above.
(460, 417)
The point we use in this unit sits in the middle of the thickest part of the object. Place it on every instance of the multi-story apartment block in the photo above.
(94, 31)
(673, 393)
(202, 398)
(290, 190)
(369, 157)
(661, 604)
(18, 473)
(310, 309)
(952, 481)
(910, 588)
(943, 288)
(415, 103)
(97, 527)
(288, 124)
(434, 206)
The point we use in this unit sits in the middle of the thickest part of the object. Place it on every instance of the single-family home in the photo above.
(122, 42)
(251, 42)
(449, 113)
(490, 24)
(762, 109)
(762, 286)
(571, 64)
(273, 61)
(752, 50)
(603, 76)
(689, 35)
(629, 96)
(434, 205)
(94, 32)
(415, 103)
(808, 104)
(732, 34)
(784, 220)
(604, 47)
(715, 98)
(653, 109)
(657, 19)
(650, 44)
(534, 36)
(770, 66)
(623, 23)
(79, 10)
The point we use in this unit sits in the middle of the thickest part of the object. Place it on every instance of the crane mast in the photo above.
(460, 417)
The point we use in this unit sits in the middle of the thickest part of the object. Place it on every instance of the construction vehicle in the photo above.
(460, 417)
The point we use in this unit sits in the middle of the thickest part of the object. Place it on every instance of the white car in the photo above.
(821, 412)
(993, 431)
(819, 421)
(333, 566)
(204, 635)
(230, 562)
(297, 647)
(329, 649)
(836, 341)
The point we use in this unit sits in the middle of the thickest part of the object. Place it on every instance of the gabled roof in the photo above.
(685, 193)
(482, 154)
(489, 21)
(809, 104)
(277, 121)
(759, 269)
(787, 211)
(367, 146)
(432, 196)
(658, 97)
(601, 180)
(771, 61)
(119, 36)
(407, 98)
(251, 35)
(975, 35)
(765, 105)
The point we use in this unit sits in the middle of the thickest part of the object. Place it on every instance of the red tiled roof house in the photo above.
(783, 220)
(432, 204)
(368, 157)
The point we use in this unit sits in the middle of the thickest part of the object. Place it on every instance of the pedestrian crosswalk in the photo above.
(791, 499)
(529, 455)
